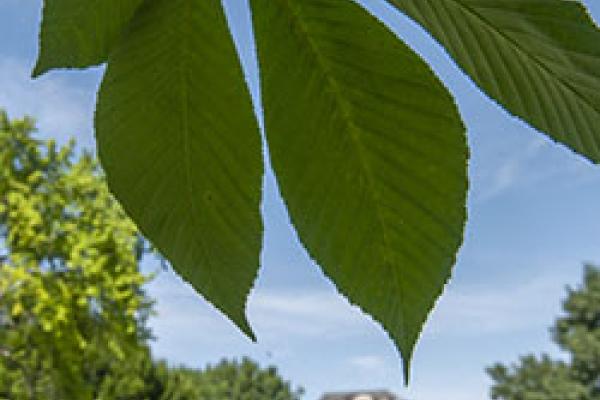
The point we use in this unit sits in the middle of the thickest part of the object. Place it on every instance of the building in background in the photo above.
(365, 395)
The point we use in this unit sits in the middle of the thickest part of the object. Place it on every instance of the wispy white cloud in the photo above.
(508, 172)
(61, 108)
(373, 364)
(536, 162)
(188, 328)
(325, 314)
(497, 309)
(274, 314)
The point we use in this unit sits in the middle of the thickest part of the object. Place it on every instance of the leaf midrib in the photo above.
(533, 57)
(358, 146)
(185, 100)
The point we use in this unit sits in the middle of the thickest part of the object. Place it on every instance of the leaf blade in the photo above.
(539, 59)
(79, 34)
(349, 124)
(178, 139)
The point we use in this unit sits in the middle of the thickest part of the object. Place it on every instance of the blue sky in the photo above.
(533, 208)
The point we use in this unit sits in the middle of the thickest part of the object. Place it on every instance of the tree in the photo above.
(71, 300)
(72, 308)
(229, 379)
(235, 380)
(367, 144)
(578, 333)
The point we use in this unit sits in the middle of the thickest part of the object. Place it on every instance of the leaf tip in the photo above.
(244, 326)
(38, 70)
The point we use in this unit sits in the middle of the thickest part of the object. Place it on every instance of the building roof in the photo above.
(365, 395)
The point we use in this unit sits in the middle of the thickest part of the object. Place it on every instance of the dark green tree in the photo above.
(234, 380)
(576, 332)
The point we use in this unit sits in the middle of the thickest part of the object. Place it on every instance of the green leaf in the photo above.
(80, 34)
(370, 155)
(178, 139)
(540, 59)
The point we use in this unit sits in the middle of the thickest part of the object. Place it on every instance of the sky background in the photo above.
(533, 220)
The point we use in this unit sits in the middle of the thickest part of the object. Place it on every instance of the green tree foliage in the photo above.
(367, 146)
(235, 380)
(231, 380)
(71, 299)
(72, 309)
(141, 378)
(578, 333)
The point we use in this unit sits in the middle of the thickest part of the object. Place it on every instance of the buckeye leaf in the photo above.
(370, 155)
(79, 34)
(179, 142)
(540, 59)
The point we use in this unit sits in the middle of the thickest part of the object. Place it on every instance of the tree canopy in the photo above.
(70, 289)
(238, 380)
(577, 332)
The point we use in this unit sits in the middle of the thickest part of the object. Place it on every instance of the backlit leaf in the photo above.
(79, 34)
(540, 59)
(370, 155)
(179, 142)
